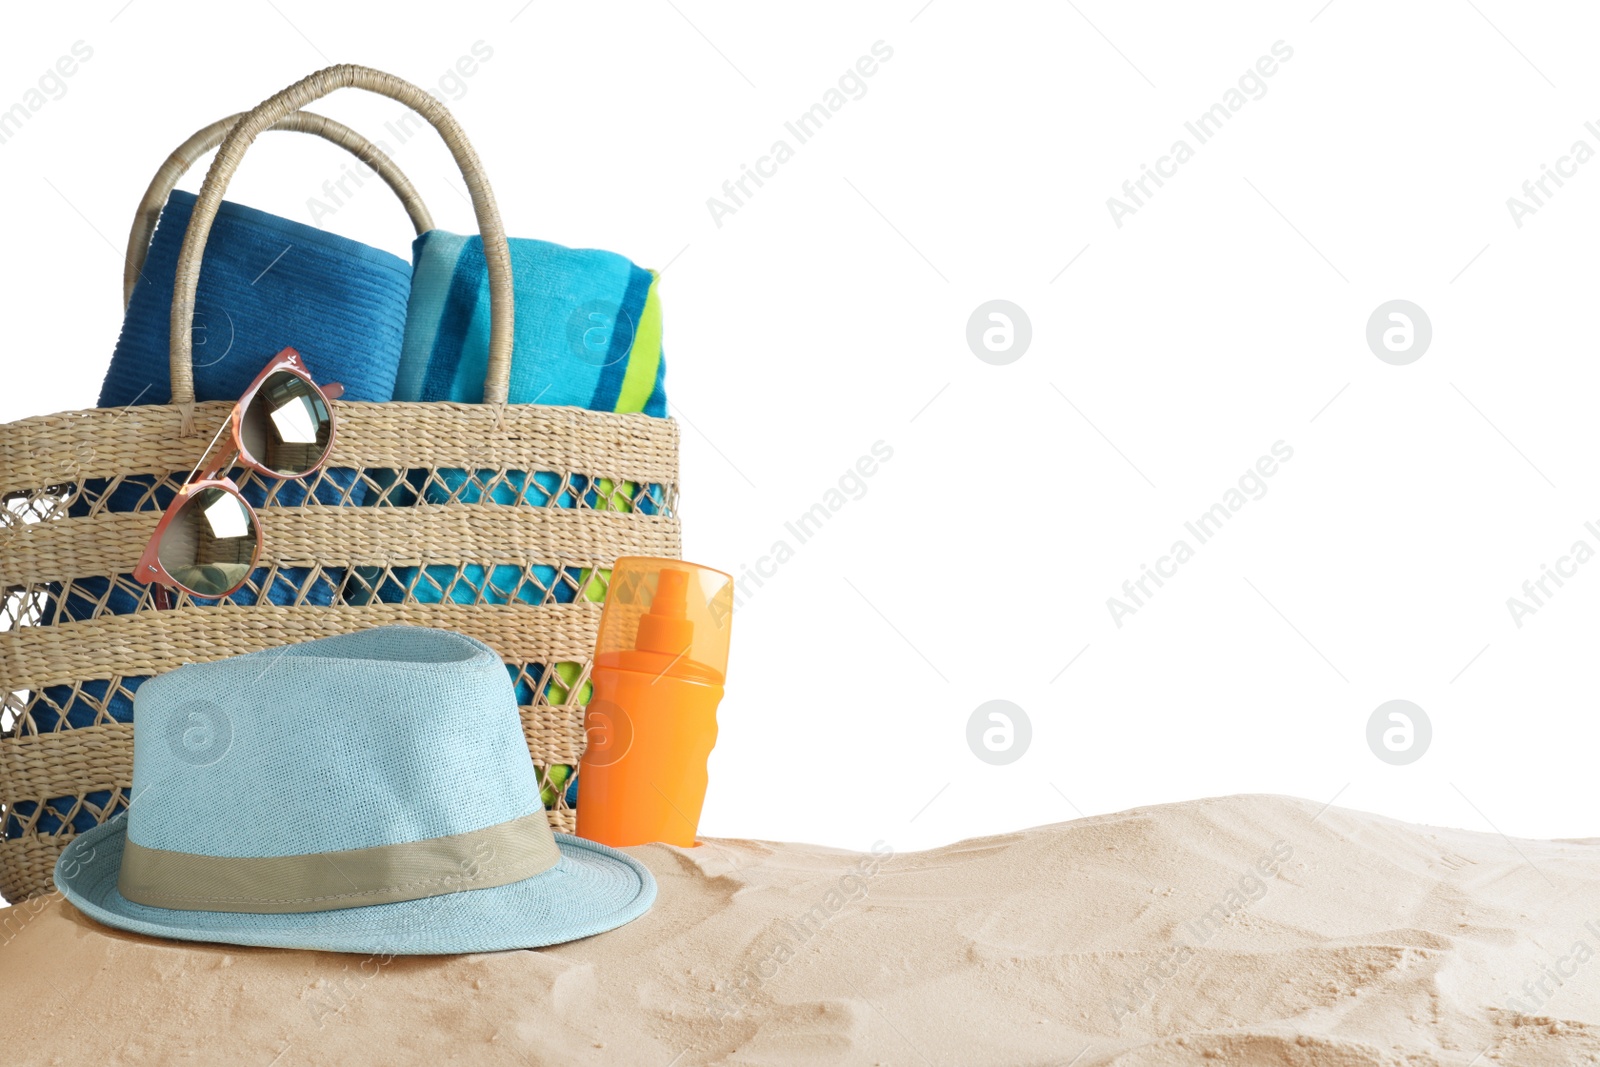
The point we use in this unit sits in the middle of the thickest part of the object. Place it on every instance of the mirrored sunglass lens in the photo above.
(287, 427)
(209, 546)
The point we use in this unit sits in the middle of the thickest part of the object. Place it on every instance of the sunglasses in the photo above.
(209, 539)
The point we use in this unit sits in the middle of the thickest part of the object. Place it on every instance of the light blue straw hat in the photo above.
(367, 793)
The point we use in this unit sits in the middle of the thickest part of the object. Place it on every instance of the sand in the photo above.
(1239, 931)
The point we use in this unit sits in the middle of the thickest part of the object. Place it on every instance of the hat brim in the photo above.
(591, 889)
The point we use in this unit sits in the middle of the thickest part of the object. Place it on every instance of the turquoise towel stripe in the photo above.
(434, 274)
(608, 390)
(446, 363)
(657, 404)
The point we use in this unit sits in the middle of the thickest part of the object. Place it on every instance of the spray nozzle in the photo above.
(666, 627)
(666, 616)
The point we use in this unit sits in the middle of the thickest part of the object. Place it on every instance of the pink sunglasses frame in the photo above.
(150, 570)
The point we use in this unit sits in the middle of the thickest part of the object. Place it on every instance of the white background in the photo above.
(829, 312)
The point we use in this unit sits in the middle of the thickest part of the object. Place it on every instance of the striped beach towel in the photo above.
(588, 327)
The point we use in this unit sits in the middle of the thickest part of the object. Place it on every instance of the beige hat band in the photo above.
(385, 874)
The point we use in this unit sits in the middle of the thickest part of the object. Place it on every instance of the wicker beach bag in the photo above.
(617, 478)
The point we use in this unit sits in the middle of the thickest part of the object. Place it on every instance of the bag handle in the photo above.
(185, 156)
(497, 253)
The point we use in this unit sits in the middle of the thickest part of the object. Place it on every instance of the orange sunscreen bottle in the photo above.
(651, 721)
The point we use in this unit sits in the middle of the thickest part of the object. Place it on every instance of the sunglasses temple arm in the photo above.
(333, 390)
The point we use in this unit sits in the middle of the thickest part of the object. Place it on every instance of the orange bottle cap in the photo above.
(677, 613)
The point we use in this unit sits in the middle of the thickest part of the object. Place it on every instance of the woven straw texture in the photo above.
(63, 552)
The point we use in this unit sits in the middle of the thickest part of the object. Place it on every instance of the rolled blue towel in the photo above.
(266, 283)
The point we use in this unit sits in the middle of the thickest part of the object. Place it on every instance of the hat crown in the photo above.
(380, 737)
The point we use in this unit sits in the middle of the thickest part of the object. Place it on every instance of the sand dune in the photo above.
(1246, 931)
